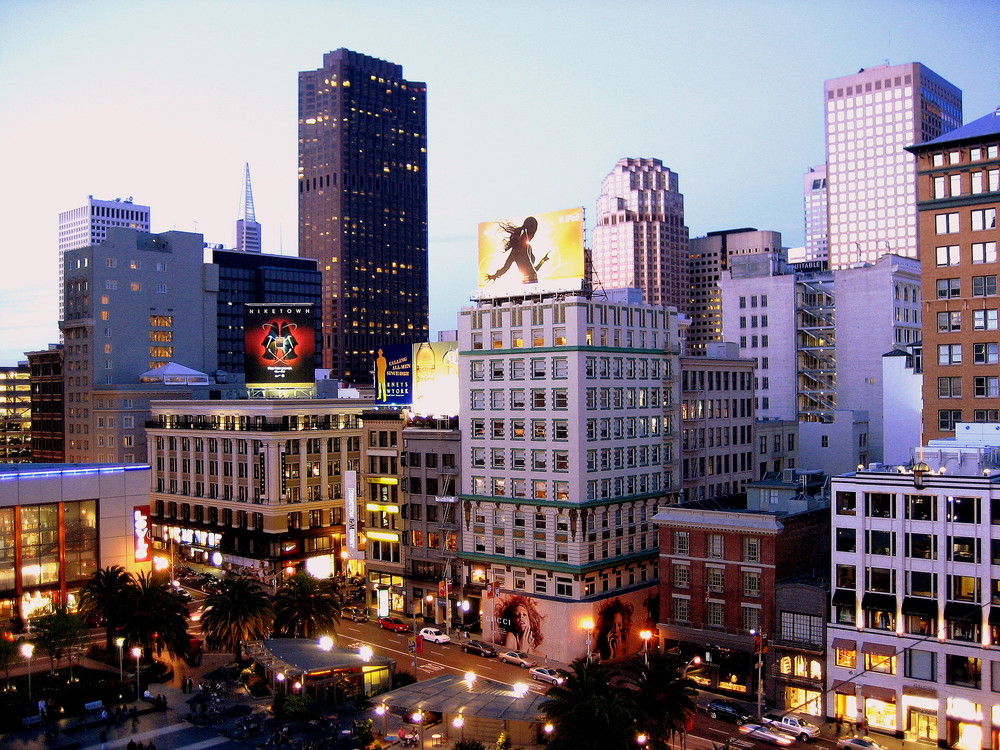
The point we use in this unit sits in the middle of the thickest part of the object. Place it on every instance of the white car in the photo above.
(519, 658)
(766, 734)
(435, 636)
(546, 674)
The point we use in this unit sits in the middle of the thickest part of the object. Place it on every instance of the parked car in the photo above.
(354, 613)
(519, 658)
(480, 648)
(546, 674)
(793, 725)
(858, 743)
(434, 635)
(728, 711)
(393, 623)
(766, 734)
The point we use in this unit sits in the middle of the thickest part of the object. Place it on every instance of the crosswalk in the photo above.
(180, 736)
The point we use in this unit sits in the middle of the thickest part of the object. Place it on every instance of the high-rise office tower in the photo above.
(363, 205)
(815, 207)
(247, 228)
(959, 196)
(88, 225)
(871, 117)
(640, 240)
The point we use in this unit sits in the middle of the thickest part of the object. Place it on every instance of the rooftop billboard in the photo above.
(279, 345)
(532, 253)
(422, 376)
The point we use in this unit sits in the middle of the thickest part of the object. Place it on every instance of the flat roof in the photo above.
(451, 694)
(305, 656)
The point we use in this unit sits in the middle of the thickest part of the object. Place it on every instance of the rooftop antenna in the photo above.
(248, 214)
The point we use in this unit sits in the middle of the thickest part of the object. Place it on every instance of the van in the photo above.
(792, 724)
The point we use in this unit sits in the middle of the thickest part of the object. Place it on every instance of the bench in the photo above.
(30, 721)
(93, 706)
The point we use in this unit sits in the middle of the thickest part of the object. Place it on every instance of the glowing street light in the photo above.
(326, 643)
(381, 710)
(137, 653)
(587, 624)
(120, 642)
(645, 635)
(470, 678)
(520, 689)
(27, 651)
(459, 723)
(366, 653)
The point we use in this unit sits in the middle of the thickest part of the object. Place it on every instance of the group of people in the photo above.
(133, 745)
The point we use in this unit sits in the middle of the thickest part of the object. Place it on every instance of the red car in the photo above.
(393, 623)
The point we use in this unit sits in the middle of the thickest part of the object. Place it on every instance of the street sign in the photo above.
(411, 645)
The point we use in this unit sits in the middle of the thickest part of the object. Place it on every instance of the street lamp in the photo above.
(380, 710)
(418, 719)
(120, 642)
(588, 625)
(137, 653)
(759, 648)
(459, 723)
(27, 651)
(279, 677)
(694, 662)
(645, 635)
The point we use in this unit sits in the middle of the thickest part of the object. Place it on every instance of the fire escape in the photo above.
(816, 350)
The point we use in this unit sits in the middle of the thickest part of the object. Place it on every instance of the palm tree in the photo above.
(588, 713)
(104, 596)
(305, 607)
(664, 698)
(238, 611)
(156, 614)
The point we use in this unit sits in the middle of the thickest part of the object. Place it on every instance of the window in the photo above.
(921, 508)
(984, 286)
(846, 577)
(946, 223)
(984, 252)
(983, 219)
(984, 320)
(750, 618)
(846, 657)
(949, 388)
(949, 354)
(751, 549)
(682, 543)
(681, 609)
(948, 288)
(714, 615)
(947, 255)
(847, 503)
(846, 540)
(965, 671)
(963, 510)
(920, 665)
(948, 419)
(751, 583)
(880, 663)
(949, 321)
(537, 398)
(986, 386)
(682, 576)
(963, 549)
(880, 505)
(984, 354)
(881, 542)
(716, 546)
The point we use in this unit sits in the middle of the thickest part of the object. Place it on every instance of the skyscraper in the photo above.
(815, 213)
(247, 228)
(363, 205)
(640, 240)
(871, 117)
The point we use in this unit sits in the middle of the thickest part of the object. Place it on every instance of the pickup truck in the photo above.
(791, 724)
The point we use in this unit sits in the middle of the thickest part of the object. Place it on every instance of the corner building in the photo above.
(363, 205)
(568, 423)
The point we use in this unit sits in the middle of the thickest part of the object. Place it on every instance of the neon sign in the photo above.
(141, 533)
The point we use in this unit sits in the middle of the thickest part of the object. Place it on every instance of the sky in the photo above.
(530, 105)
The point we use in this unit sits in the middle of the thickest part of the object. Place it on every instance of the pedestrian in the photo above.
(837, 722)
(150, 746)
(863, 726)
(135, 717)
(131, 745)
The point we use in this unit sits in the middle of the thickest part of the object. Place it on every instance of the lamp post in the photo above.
(27, 651)
(418, 719)
(459, 723)
(588, 626)
(694, 662)
(759, 649)
(645, 635)
(380, 710)
(137, 653)
(120, 642)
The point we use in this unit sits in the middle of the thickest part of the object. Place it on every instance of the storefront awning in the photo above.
(843, 598)
(920, 607)
(879, 602)
(962, 611)
(878, 649)
(887, 695)
(845, 688)
(845, 645)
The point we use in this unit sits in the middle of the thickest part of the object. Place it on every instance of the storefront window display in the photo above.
(965, 731)
(880, 714)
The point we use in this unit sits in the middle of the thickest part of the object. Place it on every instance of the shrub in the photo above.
(469, 745)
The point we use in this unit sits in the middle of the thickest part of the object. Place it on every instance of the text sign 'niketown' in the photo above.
(279, 344)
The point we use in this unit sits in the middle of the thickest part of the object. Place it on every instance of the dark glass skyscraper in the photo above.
(363, 205)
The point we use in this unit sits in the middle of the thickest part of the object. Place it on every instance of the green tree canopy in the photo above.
(105, 596)
(306, 607)
(238, 611)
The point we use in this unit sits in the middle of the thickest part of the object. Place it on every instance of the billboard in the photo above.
(141, 534)
(279, 344)
(422, 376)
(543, 251)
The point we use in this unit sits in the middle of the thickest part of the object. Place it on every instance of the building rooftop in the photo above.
(482, 698)
(986, 125)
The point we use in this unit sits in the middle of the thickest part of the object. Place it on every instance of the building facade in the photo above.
(570, 423)
(46, 379)
(814, 198)
(363, 205)
(640, 240)
(958, 198)
(871, 117)
(15, 414)
(915, 627)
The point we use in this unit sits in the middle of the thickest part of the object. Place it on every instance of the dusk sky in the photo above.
(530, 104)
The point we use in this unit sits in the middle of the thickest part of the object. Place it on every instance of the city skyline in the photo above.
(518, 122)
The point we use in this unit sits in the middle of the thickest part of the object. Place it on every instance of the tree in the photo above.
(587, 713)
(238, 611)
(157, 616)
(305, 607)
(664, 699)
(10, 654)
(57, 633)
(104, 597)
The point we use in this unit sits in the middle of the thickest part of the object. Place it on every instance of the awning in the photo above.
(994, 615)
(843, 597)
(845, 688)
(845, 645)
(887, 695)
(880, 602)
(878, 649)
(963, 611)
(920, 607)
(919, 692)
